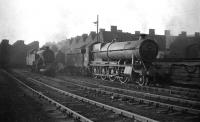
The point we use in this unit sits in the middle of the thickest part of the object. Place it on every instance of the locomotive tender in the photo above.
(41, 60)
(122, 61)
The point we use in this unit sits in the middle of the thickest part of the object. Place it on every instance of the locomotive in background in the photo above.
(16, 56)
(122, 61)
(42, 61)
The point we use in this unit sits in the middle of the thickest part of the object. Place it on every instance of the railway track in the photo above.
(172, 91)
(169, 102)
(185, 90)
(62, 108)
(156, 107)
(175, 94)
(93, 110)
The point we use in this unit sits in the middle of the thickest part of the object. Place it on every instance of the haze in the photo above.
(55, 20)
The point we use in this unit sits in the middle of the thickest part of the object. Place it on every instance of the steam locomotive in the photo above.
(41, 61)
(116, 61)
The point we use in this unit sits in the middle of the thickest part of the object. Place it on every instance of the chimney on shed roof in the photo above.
(197, 34)
(119, 31)
(167, 32)
(113, 28)
(137, 32)
(183, 33)
(102, 30)
(151, 31)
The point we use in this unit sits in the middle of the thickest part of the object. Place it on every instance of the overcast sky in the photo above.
(55, 20)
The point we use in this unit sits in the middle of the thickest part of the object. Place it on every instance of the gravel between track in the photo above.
(18, 105)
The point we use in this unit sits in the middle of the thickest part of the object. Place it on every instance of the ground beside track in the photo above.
(18, 106)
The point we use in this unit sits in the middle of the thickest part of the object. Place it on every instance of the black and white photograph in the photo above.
(99, 60)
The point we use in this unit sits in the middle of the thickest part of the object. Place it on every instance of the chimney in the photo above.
(92, 34)
(137, 32)
(183, 33)
(167, 32)
(21, 42)
(197, 34)
(119, 31)
(151, 31)
(84, 36)
(113, 28)
(102, 30)
(5, 41)
(77, 38)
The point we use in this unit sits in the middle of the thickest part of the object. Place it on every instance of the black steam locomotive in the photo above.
(116, 61)
(41, 61)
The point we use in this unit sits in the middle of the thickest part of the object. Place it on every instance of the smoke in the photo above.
(55, 20)
(185, 17)
(33, 20)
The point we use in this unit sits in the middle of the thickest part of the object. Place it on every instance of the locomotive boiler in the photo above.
(41, 60)
(124, 61)
(145, 50)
